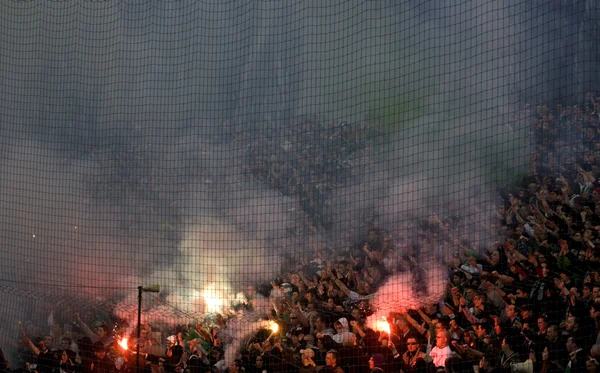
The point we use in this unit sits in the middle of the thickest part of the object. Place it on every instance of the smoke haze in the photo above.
(129, 128)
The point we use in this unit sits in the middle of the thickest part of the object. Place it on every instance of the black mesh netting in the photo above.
(295, 186)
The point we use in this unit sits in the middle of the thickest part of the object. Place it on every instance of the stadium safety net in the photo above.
(340, 186)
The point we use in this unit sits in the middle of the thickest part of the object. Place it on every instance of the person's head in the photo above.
(522, 293)
(440, 327)
(470, 293)
(542, 323)
(39, 342)
(68, 354)
(307, 354)
(48, 340)
(259, 361)
(65, 343)
(321, 322)
(99, 350)
(572, 344)
(326, 343)
(341, 325)
(442, 339)
(458, 278)
(572, 324)
(355, 313)
(103, 331)
(177, 352)
(488, 362)
(376, 361)
(295, 341)
(545, 355)
(478, 300)
(552, 334)
(512, 342)
(526, 313)
(511, 311)
(331, 358)
(453, 325)
(234, 367)
(294, 317)
(587, 291)
(545, 269)
(216, 353)
(591, 365)
(402, 324)
(412, 344)
(309, 339)
(481, 329)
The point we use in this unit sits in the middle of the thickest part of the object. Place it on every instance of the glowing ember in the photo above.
(382, 326)
(123, 343)
(274, 327)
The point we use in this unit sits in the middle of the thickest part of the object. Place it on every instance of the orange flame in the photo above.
(123, 343)
(383, 326)
(274, 327)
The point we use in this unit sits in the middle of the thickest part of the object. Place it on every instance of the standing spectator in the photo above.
(44, 358)
(102, 363)
(576, 362)
(322, 326)
(332, 362)
(102, 332)
(67, 362)
(308, 364)
(591, 365)
(441, 351)
(343, 333)
(489, 364)
(550, 365)
(378, 361)
(556, 346)
(513, 346)
(413, 360)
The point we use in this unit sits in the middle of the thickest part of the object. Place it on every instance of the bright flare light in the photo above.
(123, 343)
(213, 302)
(383, 326)
(274, 327)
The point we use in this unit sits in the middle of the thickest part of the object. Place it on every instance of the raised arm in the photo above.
(85, 328)
(414, 323)
(424, 316)
(32, 346)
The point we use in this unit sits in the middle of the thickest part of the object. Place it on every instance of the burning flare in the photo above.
(383, 326)
(214, 303)
(274, 327)
(123, 344)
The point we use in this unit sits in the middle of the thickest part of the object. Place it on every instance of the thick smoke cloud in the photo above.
(126, 129)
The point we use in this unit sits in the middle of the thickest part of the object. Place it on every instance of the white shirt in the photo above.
(440, 355)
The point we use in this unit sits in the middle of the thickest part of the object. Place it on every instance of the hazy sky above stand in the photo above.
(111, 118)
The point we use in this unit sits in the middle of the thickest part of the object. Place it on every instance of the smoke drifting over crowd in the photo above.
(134, 134)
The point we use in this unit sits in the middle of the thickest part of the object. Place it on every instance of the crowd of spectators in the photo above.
(529, 302)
